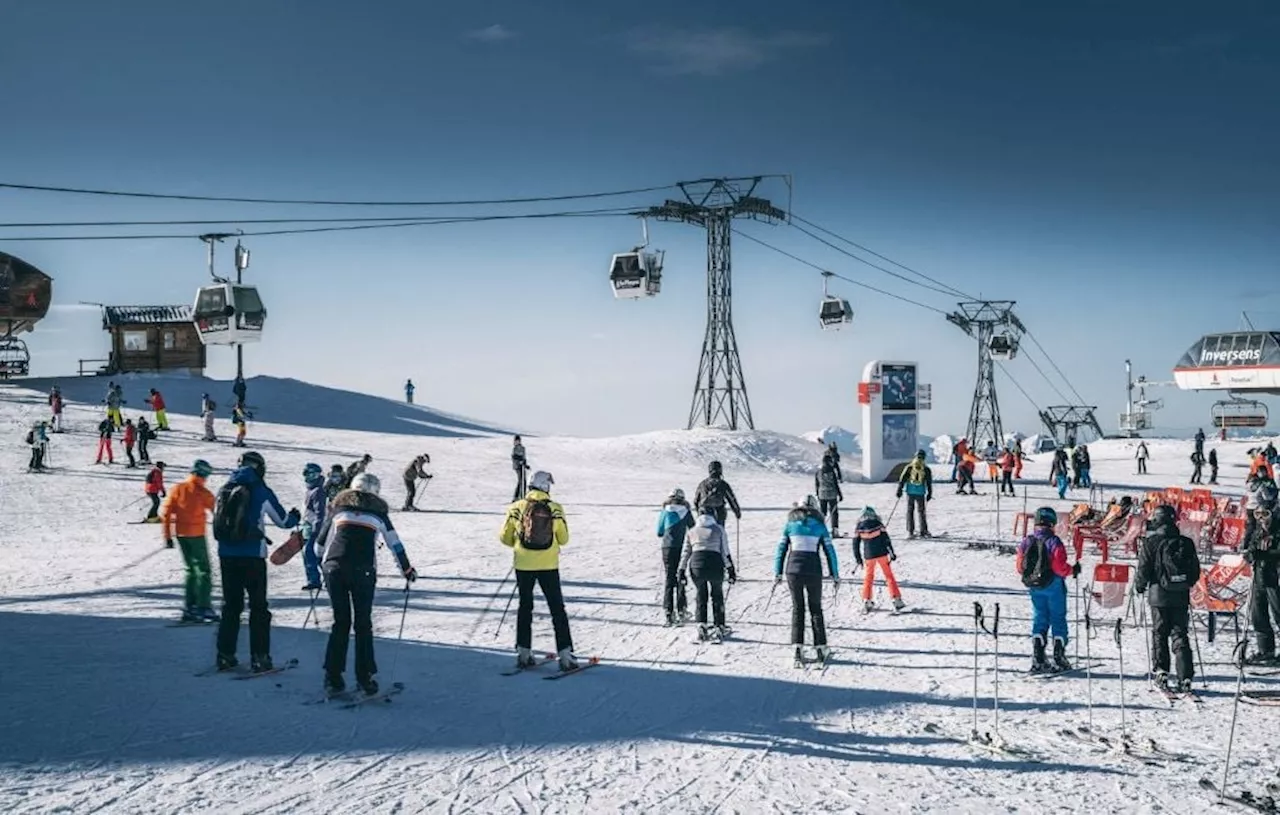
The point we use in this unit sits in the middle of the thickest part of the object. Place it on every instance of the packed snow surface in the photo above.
(103, 712)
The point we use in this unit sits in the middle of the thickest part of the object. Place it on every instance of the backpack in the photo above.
(1037, 571)
(537, 526)
(1175, 563)
(31, 437)
(231, 521)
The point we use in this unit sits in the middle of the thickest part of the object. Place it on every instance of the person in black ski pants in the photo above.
(349, 540)
(1168, 590)
(145, 435)
(706, 556)
(802, 538)
(674, 521)
(826, 483)
(1262, 552)
(1213, 466)
(520, 464)
(715, 495)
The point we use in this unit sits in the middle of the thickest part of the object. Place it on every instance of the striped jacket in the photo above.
(802, 538)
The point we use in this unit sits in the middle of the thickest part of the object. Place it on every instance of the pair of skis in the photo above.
(984, 742)
(242, 672)
(1148, 753)
(1245, 800)
(590, 662)
(354, 697)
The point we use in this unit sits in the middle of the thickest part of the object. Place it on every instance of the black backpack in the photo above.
(537, 526)
(231, 521)
(1176, 563)
(1037, 570)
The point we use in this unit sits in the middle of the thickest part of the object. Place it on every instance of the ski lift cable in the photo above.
(865, 262)
(1045, 376)
(1017, 385)
(1070, 386)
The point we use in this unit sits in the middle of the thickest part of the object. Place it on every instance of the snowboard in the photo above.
(285, 551)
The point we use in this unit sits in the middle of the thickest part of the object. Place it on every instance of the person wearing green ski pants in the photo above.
(199, 588)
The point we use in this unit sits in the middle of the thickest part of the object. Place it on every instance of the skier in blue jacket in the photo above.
(674, 522)
(242, 552)
(803, 537)
(312, 519)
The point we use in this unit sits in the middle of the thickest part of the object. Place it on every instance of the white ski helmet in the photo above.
(366, 482)
(541, 481)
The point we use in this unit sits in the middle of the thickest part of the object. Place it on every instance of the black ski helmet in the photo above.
(254, 461)
(1162, 516)
(715, 469)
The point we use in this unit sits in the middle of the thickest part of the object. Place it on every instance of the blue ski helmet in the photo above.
(201, 468)
(1046, 516)
(313, 475)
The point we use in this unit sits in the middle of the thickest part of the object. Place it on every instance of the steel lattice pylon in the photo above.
(979, 320)
(720, 391)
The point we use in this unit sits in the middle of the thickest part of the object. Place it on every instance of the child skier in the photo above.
(876, 553)
(674, 522)
(412, 474)
(130, 438)
(802, 538)
(349, 538)
(184, 518)
(156, 401)
(1169, 566)
(239, 418)
(37, 441)
(155, 491)
(1042, 562)
(313, 517)
(706, 557)
(105, 429)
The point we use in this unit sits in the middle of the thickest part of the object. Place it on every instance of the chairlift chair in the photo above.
(15, 359)
(1002, 346)
(1239, 413)
(228, 314)
(834, 312)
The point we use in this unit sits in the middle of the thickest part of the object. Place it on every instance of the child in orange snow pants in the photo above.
(873, 549)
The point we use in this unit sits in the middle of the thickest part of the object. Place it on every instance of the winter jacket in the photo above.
(518, 461)
(184, 513)
(1007, 461)
(707, 537)
(802, 538)
(1213, 459)
(1150, 559)
(414, 471)
(349, 537)
(262, 502)
(534, 560)
(354, 469)
(916, 479)
(1059, 467)
(239, 416)
(1262, 550)
(1142, 454)
(826, 484)
(105, 429)
(207, 405)
(314, 512)
(55, 402)
(874, 539)
(113, 398)
(156, 401)
(155, 482)
(674, 521)
(1085, 460)
(1053, 546)
(334, 483)
(130, 435)
(714, 492)
(1261, 468)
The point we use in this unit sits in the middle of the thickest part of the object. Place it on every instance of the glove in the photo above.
(684, 579)
(1075, 569)
(899, 493)
(859, 562)
(737, 513)
(893, 556)
(293, 518)
(411, 574)
(733, 575)
(1248, 556)
(777, 578)
(928, 497)
(835, 578)
(168, 543)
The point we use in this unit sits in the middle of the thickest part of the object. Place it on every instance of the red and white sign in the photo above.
(1110, 584)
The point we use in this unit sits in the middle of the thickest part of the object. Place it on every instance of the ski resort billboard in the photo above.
(891, 397)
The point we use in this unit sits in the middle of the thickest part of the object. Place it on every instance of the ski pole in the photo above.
(1241, 648)
(893, 511)
(769, 602)
(1124, 732)
(977, 636)
(1077, 616)
(1195, 633)
(995, 635)
(1088, 665)
(737, 534)
(1146, 638)
(132, 504)
(510, 597)
(404, 612)
(311, 610)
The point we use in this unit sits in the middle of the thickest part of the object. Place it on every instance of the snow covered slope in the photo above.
(103, 712)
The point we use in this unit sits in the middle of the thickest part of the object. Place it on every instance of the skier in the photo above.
(1197, 465)
(412, 473)
(156, 401)
(349, 539)
(207, 408)
(313, 516)
(55, 405)
(874, 550)
(242, 551)
(715, 495)
(1058, 473)
(1077, 465)
(706, 557)
(238, 389)
(1213, 466)
(335, 483)
(113, 402)
(354, 469)
(802, 538)
(240, 418)
(1007, 463)
(38, 441)
(1200, 441)
(917, 481)
(155, 491)
(1086, 464)
(536, 530)
(826, 483)
(964, 473)
(1262, 552)
(1270, 452)
(991, 455)
(1042, 562)
(1260, 469)
(145, 436)
(1017, 457)
(834, 453)
(1142, 455)
(105, 429)
(408, 391)
(674, 522)
(184, 518)
(1169, 566)
(958, 451)
(521, 466)
(130, 439)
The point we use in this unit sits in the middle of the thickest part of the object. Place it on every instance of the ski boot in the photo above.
(1039, 664)
(723, 631)
(1183, 686)
(191, 615)
(1261, 658)
(926, 534)
(898, 604)
(208, 615)
(334, 684)
(1160, 679)
(704, 632)
(799, 662)
(1060, 662)
(524, 658)
(311, 587)
(835, 531)
(567, 660)
(824, 653)
(867, 606)
(227, 662)
(260, 663)
(368, 685)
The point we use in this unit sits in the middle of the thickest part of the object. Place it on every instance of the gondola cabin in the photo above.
(636, 274)
(1002, 346)
(228, 314)
(25, 296)
(834, 313)
(146, 339)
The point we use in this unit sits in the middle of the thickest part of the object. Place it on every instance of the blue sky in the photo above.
(1112, 167)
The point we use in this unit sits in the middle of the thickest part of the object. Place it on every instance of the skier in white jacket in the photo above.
(707, 558)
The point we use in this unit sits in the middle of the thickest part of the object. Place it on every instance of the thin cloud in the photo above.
(494, 33)
(719, 51)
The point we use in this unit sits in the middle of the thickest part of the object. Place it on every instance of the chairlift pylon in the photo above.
(833, 312)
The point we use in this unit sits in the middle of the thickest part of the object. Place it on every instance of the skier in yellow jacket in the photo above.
(535, 528)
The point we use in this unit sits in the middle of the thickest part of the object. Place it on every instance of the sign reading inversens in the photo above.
(1242, 356)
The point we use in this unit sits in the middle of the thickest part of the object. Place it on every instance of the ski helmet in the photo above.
(201, 468)
(541, 481)
(870, 514)
(809, 502)
(677, 494)
(160, 465)
(1161, 517)
(254, 461)
(920, 454)
(366, 482)
(1046, 516)
(715, 469)
(312, 474)
(1268, 495)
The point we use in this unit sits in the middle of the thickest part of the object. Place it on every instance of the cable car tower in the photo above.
(998, 331)
(720, 391)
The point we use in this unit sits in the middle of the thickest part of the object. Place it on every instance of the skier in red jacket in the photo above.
(155, 491)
